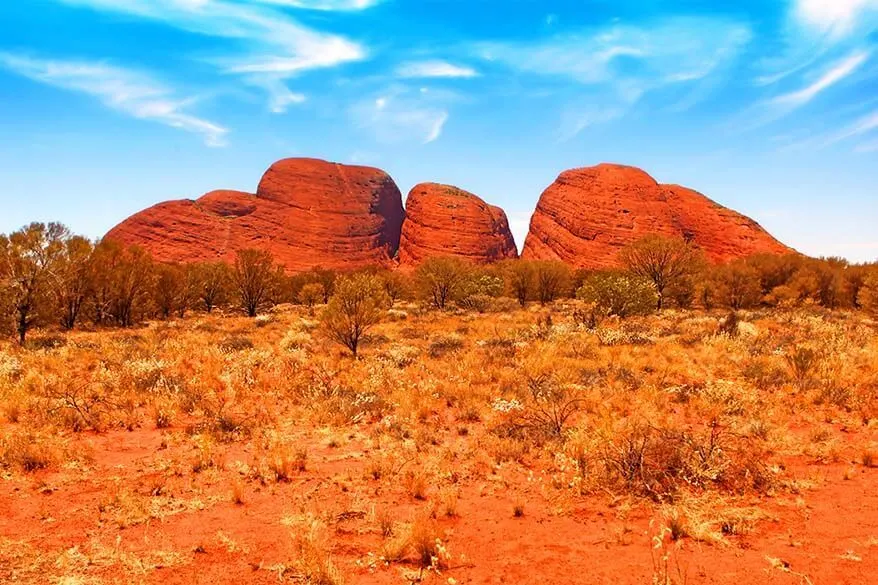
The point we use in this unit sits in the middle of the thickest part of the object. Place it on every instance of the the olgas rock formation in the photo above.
(305, 212)
(309, 213)
(444, 220)
(588, 215)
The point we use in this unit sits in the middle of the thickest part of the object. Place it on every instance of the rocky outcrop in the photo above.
(306, 212)
(588, 215)
(442, 220)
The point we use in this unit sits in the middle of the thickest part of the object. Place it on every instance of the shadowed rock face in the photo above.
(588, 215)
(442, 220)
(306, 212)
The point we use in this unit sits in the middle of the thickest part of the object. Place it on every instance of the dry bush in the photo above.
(658, 462)
(313, 562)
(803, 363)
(28, 452)
(440, 346)
(548, 407)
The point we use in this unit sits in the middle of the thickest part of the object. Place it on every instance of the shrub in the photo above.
(256, 278)
(442, 345)
(311, 294)
(550, 405)
(619, 294)
(551, 280)
(441, 279)
(803, 363)
(359, 303)
(666, 262)
(729, 325)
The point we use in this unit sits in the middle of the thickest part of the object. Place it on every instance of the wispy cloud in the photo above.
(427, 69)
(267, 48)
(835, 74)
(770, 110)
(398, 115)
(815, 31)
(862, 126)
(835, 18)
(622, 63)
(671, 51)
(133, 93)
(324, 5)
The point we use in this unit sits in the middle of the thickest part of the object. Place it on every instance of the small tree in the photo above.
(122, 279)
(867, 298)
(440, 279)
(664, 261)
(212, 281)
(311, 294)
(28, 261)
(326, 278)
(358, 303)
(737, 285)
(519, 278)
(73, 281)
(618, 293)
(255, 276)
(774, 270)
(551, 280)
(854, 278)
(168, 289)
(396, 285)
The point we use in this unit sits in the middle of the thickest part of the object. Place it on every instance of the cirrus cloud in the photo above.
(435, 68)
(266, 47)
(131, 92)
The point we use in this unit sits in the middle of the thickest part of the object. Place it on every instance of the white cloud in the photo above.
(815, 31)
(279, 95)
(427, 69)
(325, 5)
(671, 51)
(621, 63)
(574, 120)
(862, 126)
(835, 18)
(867, 147)
(835, 74)
(130, 92)
(398, 116)
(266, 46)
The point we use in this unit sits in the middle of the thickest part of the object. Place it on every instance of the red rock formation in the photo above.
(306, 212)
(588, 215)
(442, 220)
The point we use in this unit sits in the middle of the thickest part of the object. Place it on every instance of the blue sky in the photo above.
(769, 107)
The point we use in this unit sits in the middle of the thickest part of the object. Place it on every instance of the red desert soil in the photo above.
(443, 220)
(828, 534)
(306, 212)
(588, 215)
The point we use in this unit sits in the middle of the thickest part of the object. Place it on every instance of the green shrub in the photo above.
(618, 293)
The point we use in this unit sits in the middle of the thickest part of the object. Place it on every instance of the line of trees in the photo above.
(50, 277)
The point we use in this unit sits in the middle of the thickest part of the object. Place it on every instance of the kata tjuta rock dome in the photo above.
(306, 212)
(442, 220)
(588, 215)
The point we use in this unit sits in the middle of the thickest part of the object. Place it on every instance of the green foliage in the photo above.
(441, 280)
(669, 263)
(358, 303)
(311, 294)
(551, 280)
(256, 278)
(618, 293)
(28, 259)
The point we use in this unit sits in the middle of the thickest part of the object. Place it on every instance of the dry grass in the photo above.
(663, 410)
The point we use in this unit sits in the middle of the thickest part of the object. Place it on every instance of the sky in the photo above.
(769, 107)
